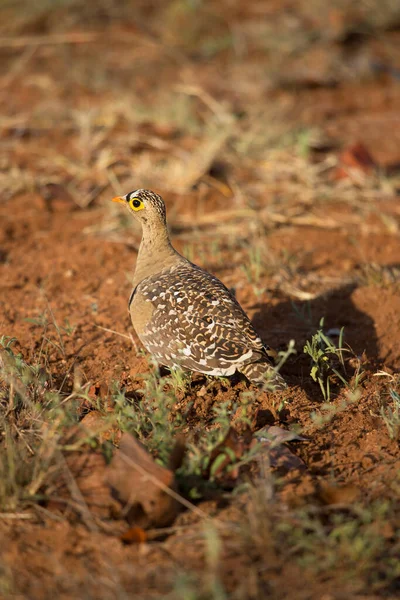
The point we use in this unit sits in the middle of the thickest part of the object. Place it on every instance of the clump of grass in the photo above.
(150, 416)
(350, 541)
(21, 386)
(22, 383)
(34, 419)
(356, 544)
(326, 357)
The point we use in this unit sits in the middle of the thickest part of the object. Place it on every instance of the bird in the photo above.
(184, 316)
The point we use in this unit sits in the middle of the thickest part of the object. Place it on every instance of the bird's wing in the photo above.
(197, 320)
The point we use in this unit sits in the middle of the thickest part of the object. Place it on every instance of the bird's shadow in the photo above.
(299, 320)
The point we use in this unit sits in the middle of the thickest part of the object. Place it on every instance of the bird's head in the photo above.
(145, 205)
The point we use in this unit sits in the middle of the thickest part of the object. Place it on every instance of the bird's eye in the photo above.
(136, 204)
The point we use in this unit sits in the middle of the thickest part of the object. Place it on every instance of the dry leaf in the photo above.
(81, 486)
(141, 485)
(355, 158)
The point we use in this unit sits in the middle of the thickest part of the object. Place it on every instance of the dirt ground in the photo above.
(272, 130)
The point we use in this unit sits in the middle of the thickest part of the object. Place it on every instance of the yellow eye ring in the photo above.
(136, 204)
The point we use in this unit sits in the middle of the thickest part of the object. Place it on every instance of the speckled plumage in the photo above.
(185, 316)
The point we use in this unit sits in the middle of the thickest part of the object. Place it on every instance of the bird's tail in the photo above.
(263, 374)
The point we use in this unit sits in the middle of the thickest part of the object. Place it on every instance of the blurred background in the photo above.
(229, 100)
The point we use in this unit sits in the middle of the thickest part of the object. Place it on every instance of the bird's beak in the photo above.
(118, 199)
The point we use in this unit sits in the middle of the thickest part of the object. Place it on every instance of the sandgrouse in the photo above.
(183, 315)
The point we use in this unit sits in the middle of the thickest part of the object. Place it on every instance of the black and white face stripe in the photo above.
(149, 198)
(131, 194)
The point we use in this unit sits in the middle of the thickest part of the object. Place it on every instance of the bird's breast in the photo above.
(141, 312)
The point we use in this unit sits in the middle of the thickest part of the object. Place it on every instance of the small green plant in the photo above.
(391, 416)
(148, 417)
(68, 328)
(322, 351)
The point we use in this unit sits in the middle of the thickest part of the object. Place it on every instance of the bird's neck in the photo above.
(155, 252)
